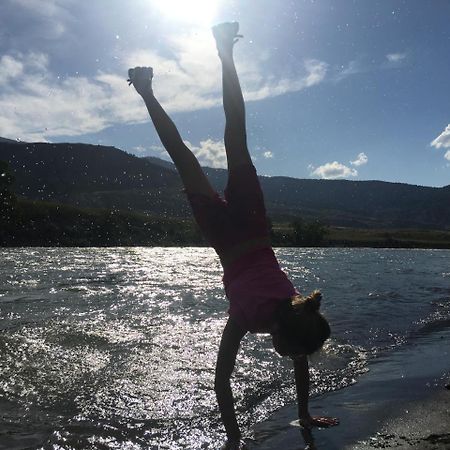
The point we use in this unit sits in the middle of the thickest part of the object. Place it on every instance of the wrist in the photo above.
(232, 444)
(303, 413)
(147, 95)
(226, 55)
(234, 437)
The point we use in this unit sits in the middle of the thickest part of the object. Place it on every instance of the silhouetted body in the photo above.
(262, 299)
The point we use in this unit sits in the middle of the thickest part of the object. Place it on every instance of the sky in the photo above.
(348, 89)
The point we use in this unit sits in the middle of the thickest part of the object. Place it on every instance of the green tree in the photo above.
(7, 197)
(271, 230)
(305, 234)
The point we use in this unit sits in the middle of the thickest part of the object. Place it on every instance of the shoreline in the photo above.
(401, 403)
(361, 245)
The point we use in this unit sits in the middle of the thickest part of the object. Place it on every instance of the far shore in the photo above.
(43, 224)
(351, 243)
(358, 245)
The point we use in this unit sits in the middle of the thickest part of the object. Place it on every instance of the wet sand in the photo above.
(401, 403)
(423, 425)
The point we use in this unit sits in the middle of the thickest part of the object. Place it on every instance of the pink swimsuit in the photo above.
(254, 283)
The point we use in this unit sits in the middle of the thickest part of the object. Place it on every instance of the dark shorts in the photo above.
(239, 217)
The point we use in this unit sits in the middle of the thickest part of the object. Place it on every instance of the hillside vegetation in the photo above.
(78, 194)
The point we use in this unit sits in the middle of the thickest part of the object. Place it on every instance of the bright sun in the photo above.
(191, 11)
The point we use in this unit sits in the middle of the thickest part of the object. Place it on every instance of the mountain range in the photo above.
(95, 176)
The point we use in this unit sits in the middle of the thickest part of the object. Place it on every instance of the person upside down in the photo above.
(261, 297)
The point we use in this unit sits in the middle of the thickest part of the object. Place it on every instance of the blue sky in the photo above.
(355, 89)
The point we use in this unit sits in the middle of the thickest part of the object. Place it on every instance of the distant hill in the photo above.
(93, 176)
(161, 162)
(8, 141)
(106, 177)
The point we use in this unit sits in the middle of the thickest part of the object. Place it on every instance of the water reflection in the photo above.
(116, 348)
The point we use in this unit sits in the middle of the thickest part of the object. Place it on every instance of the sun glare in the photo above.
(192, 11)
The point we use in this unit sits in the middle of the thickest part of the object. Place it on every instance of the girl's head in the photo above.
(300, 329)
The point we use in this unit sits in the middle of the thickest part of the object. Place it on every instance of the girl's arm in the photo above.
(229, 346)
(301, 372)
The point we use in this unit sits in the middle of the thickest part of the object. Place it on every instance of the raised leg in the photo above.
(191, 173)
(233, 101)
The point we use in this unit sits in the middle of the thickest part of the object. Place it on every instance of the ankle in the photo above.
(225, 53)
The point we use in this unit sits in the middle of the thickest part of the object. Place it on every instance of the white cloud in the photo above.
(9, 69)
(352, 68)
(257, 87)
(395, 58)
(36, 104)
(443, 140)
(140, 149)
(268, 154)
(210, 153)
(360, 160)
(333, 170)
(43, 8)
(316, 73)
(150, 150)
(190, 79)
(45, 19)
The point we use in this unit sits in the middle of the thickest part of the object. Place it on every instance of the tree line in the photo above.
(36, 223)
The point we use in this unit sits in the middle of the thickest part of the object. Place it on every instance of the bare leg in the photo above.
(192, 175)
(233, 100)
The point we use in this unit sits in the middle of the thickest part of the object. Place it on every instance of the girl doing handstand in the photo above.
(262, 299)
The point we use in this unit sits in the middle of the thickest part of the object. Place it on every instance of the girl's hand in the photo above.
(318, 421)
(234, 445)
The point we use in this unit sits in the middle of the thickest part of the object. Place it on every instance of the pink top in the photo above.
(255, 285)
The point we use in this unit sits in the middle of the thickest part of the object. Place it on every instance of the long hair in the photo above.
(301, 326)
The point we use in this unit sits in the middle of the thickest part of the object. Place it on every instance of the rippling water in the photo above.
(115, 348)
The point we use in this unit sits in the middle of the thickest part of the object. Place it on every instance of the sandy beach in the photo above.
(423, 425)
(402, 402)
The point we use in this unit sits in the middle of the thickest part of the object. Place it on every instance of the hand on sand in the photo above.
(318, 421)
(141, 79)
(234, 445)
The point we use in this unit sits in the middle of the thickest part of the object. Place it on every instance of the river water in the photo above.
(114, 348)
